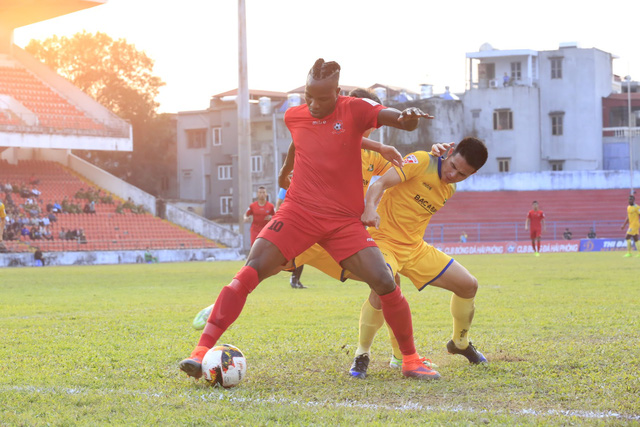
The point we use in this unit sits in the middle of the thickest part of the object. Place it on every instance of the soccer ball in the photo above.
(224, 365)
(200, 321)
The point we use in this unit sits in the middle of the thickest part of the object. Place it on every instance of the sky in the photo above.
(194, 43)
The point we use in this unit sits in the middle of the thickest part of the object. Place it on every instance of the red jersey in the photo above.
(328, 161)
(535, 219)
(259, 212)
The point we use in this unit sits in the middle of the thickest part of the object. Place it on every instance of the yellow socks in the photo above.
(394, 344)
(371, 320)
(462, 310)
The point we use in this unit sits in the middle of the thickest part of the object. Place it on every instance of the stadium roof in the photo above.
(18, 13)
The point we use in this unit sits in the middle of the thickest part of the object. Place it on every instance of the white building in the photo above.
(539, 110)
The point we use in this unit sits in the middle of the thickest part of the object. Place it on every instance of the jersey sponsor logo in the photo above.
(319, 122)
(370, 239)
(410, 159)
(425, 204)
(427, 186)
(338, 127)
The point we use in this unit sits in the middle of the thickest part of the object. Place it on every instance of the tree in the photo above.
(120, 77)
(113, 72)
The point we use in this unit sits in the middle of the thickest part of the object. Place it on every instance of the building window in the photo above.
(503, 164)
(502, 120)
(516, 73)
(475, 114)
(557, 165)
(256, 163)
(556, 68)
(224, 172)
(196, 138)
(557, 123)
(226, 205)
(216, 136)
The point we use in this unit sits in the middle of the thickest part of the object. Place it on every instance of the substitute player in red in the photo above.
(259, 213)
(324, 205)
(535, 222)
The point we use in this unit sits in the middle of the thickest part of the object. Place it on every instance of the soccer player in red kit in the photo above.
(259, 213)
(324, 205)
(535, 219)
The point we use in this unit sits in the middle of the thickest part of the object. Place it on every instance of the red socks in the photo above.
(395, 309)
(229, 305)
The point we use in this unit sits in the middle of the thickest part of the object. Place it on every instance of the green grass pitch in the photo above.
(96, 345)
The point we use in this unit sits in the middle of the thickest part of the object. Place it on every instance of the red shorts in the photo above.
(536, 233)
(294, 229)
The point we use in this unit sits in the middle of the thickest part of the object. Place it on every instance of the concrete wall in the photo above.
(566, 180)
(119, 257)
(111, 183)
(203, 226)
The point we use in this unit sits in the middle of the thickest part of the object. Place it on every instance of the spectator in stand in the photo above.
(463, 237)
(46, 234)
(52, 217)
(82, 238)
(36, 193)
(90, 208)
(591, 234)
(567, 234)
(57, 208)
(62, 235)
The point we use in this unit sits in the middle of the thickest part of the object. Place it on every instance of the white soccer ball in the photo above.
(224, 365)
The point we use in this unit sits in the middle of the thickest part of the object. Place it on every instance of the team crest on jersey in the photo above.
(370, 168)
(338, 127)
(410, 159)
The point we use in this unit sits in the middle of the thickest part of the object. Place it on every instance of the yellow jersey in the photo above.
(406, 208)
(373, 164)
(633, 212)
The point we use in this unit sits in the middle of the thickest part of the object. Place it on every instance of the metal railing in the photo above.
(514, 231)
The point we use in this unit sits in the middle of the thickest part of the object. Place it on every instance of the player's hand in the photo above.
(370, 219)
(438, 150)
(392, 155)
(284, 181)
(413, 113)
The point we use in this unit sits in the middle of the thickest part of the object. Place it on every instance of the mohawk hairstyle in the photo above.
(323, 70)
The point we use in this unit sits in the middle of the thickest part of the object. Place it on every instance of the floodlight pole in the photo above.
(244, 128)
(628, 79)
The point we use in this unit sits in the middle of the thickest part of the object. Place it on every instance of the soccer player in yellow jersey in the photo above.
(633, 220)
(3, 216)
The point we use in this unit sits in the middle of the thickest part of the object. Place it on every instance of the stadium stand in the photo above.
(500, 215)
(50, 109)
(104, 230)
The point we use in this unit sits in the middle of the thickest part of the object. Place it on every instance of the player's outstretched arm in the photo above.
(388, 152)
(406, 119)
(370, 217)
(283, 178)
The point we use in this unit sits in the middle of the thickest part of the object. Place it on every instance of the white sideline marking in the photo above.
(222, 395)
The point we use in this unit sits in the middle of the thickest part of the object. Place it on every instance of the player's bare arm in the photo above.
(284, 179)
(388, 152)
(370, 216)
(406, 119)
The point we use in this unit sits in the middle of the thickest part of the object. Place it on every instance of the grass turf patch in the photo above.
(100, 344)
